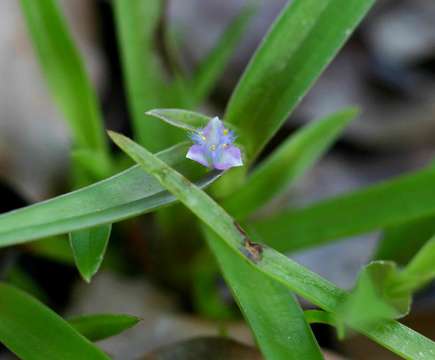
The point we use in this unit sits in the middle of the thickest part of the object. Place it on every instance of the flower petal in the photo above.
(229, 158)
(213, 131)
(197, 153)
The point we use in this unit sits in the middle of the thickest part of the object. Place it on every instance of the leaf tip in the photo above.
(133, 320)
(116, 137)
(352, 112)
(86, 277)
(152, 112)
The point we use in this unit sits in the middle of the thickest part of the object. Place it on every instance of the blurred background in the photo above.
(387, 69)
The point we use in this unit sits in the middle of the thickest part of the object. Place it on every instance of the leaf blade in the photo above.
(274, 314)
(65, 73)
(399, 243)
(97, 327)
(287, 163)
(89, 246)
(124, 195)
(302, 41)
(277, 266)
(136, 23)
(396, 201)
(34, 332)
(196, 200)
(183, 119)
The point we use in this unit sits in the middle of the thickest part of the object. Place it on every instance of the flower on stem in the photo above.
(214, 147)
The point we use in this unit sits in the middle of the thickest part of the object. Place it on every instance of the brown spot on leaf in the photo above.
(253, 251)
(239, 228)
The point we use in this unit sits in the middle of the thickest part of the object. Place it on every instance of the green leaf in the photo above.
(212, 67)
(55, 248)
(65, 73)
(273, 313)
(372, 297)
(394, 336)
(323, 317)
(301, 42)
(274, 343)
(397, 201)
(288, 163)
(382, 291)
(91, 165)
(207, 296)
(102, 326)
(34, 332)
(419, 272)
(19, 278)
(401, 242)
(136, 22)
(183, 119)
(127, 194)
(89, 246)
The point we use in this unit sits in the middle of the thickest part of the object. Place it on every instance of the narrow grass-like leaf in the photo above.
(18, 277)
(102, 326)
(392, 202)
(212, 67)
(301, 42)
(89, 246)
(383, 291)
(91, 165)
(323, 317)
(34, 332)
(305, 283)
(287, 163)
(65, 73)
(273, 313)
(183, 119)
(420, 270)
(275, 345)
(127, 194)
(372, 297)
(401, 242)
(137, 21)
(55, 248)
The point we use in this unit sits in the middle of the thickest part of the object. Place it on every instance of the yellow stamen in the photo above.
(212, 147)
(225, 131)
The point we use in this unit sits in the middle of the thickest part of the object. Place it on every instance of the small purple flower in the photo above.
(214, 147)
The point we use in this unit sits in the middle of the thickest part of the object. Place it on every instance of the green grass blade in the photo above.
(54, 248)
(137, 21)
(102, 326)
(301, 42)
(273, 346)
(400, 243)
(89, 247)
(288, 163)
(397, 201)
(122, 196)
(65, 73)
(392, 335)
(273, 313)
(323, 317)
(183, 119)
(419, 271)
(213, 66)
(34, 332)
(371, 299)
(18, 277)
